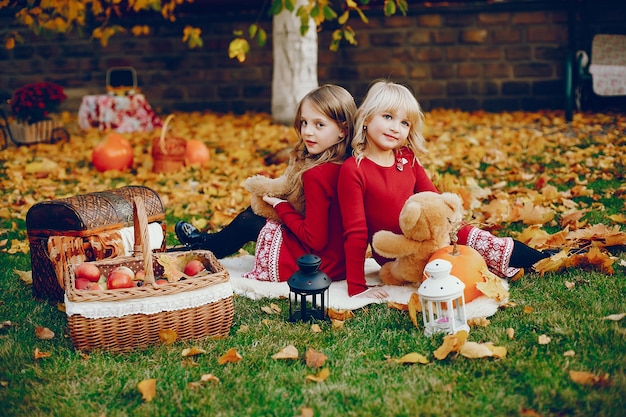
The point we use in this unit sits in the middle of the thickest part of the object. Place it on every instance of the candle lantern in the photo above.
(308, 290)
(442, 299)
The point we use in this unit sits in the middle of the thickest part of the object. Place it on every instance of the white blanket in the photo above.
(338, 291)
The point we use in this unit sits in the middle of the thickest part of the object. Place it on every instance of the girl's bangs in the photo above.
(393, 100)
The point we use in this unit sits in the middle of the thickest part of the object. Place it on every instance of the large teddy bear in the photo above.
(281, 187)
(426, 221)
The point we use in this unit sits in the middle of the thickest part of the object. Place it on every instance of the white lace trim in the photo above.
(149, 305)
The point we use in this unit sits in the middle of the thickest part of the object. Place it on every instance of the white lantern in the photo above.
(442, 299)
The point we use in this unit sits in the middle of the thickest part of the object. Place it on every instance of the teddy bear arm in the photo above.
(261, 185)
(391, 245)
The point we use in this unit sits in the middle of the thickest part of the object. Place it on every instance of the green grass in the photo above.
(361, 383)
(532, 380)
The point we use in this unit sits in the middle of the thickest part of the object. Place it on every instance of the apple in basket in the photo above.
(82, 283)
(87, 271)
(120, 277)
(193, 268)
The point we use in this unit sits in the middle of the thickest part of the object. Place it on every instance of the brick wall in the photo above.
(488, 57)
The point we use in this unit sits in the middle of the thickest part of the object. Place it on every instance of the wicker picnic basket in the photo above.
(168, 153)
(125, 319)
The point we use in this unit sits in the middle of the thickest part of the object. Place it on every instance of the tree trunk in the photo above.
(295, 64)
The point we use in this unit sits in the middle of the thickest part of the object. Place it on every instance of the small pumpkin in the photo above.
(113, 153)
(196, 152)
(467, 265)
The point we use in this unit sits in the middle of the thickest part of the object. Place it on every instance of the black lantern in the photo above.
(305, 286)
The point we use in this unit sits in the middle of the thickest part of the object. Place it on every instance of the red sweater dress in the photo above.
(319, 232)
(371, 198)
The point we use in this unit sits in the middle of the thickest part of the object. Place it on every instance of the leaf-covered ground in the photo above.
(528, 174)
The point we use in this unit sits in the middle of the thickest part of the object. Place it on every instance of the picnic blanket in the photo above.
(338, 291)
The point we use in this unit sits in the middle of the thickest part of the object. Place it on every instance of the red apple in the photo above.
(193, 267)
(140, 275)
(119, 279)
(94, 286)
(126, 270)
(88, 271)
(82, 283)
(161, 281)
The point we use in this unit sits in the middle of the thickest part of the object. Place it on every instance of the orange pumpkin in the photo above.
(196, 152)
(467, 265)
(114, 152)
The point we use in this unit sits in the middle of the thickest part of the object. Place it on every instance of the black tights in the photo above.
(243, 229)
(524, 256)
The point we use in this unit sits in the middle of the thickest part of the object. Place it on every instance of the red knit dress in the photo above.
(319, 232)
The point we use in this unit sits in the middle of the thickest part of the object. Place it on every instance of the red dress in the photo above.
(319, 232)
(371, 198)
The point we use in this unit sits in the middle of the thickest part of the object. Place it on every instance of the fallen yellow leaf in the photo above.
(230, 356)
(168, 336)
(588, 378)
(314, 359)
(411, 358)
(320, 377)
(615, 317)
(289, 352)
(478, 321)
(543, 339)
(40, 355)
(414, 307)
(510, 333)
(475, 350)
(25, 276)
(192, 351)
(43, 333)
(341, 315)
(147, 388)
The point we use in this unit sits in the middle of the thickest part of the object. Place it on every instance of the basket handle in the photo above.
(163, 131)
(142, 241)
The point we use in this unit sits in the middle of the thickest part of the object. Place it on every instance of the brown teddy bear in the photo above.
(281, 187)
(426, 221)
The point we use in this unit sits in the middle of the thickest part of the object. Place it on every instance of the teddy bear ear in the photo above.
(410, 213)
(453, 201)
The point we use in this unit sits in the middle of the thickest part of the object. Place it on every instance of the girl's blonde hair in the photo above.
(337, 104)
(386, 96)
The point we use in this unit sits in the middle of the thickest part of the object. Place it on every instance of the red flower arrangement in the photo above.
(34, 102)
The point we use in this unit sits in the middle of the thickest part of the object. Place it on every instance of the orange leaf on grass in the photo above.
(167, 336)
(588, 378)
(193, 351)
(288, 352)
(451, 343)
(147, 388)
(320, 377)
(492, 287)
(40, 355)
(314, 359)
(594, 259)
(341, 315)
(43, 333)
(411, 358)
(615, 317)
(231, 356)
(414, 307)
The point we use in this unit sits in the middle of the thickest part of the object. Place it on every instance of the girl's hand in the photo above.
(272, 201)
(373, 292)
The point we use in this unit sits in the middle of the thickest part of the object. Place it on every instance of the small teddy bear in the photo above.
(281, 187)
(427, 220)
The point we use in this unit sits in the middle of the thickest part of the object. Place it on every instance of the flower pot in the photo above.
(38, 132)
